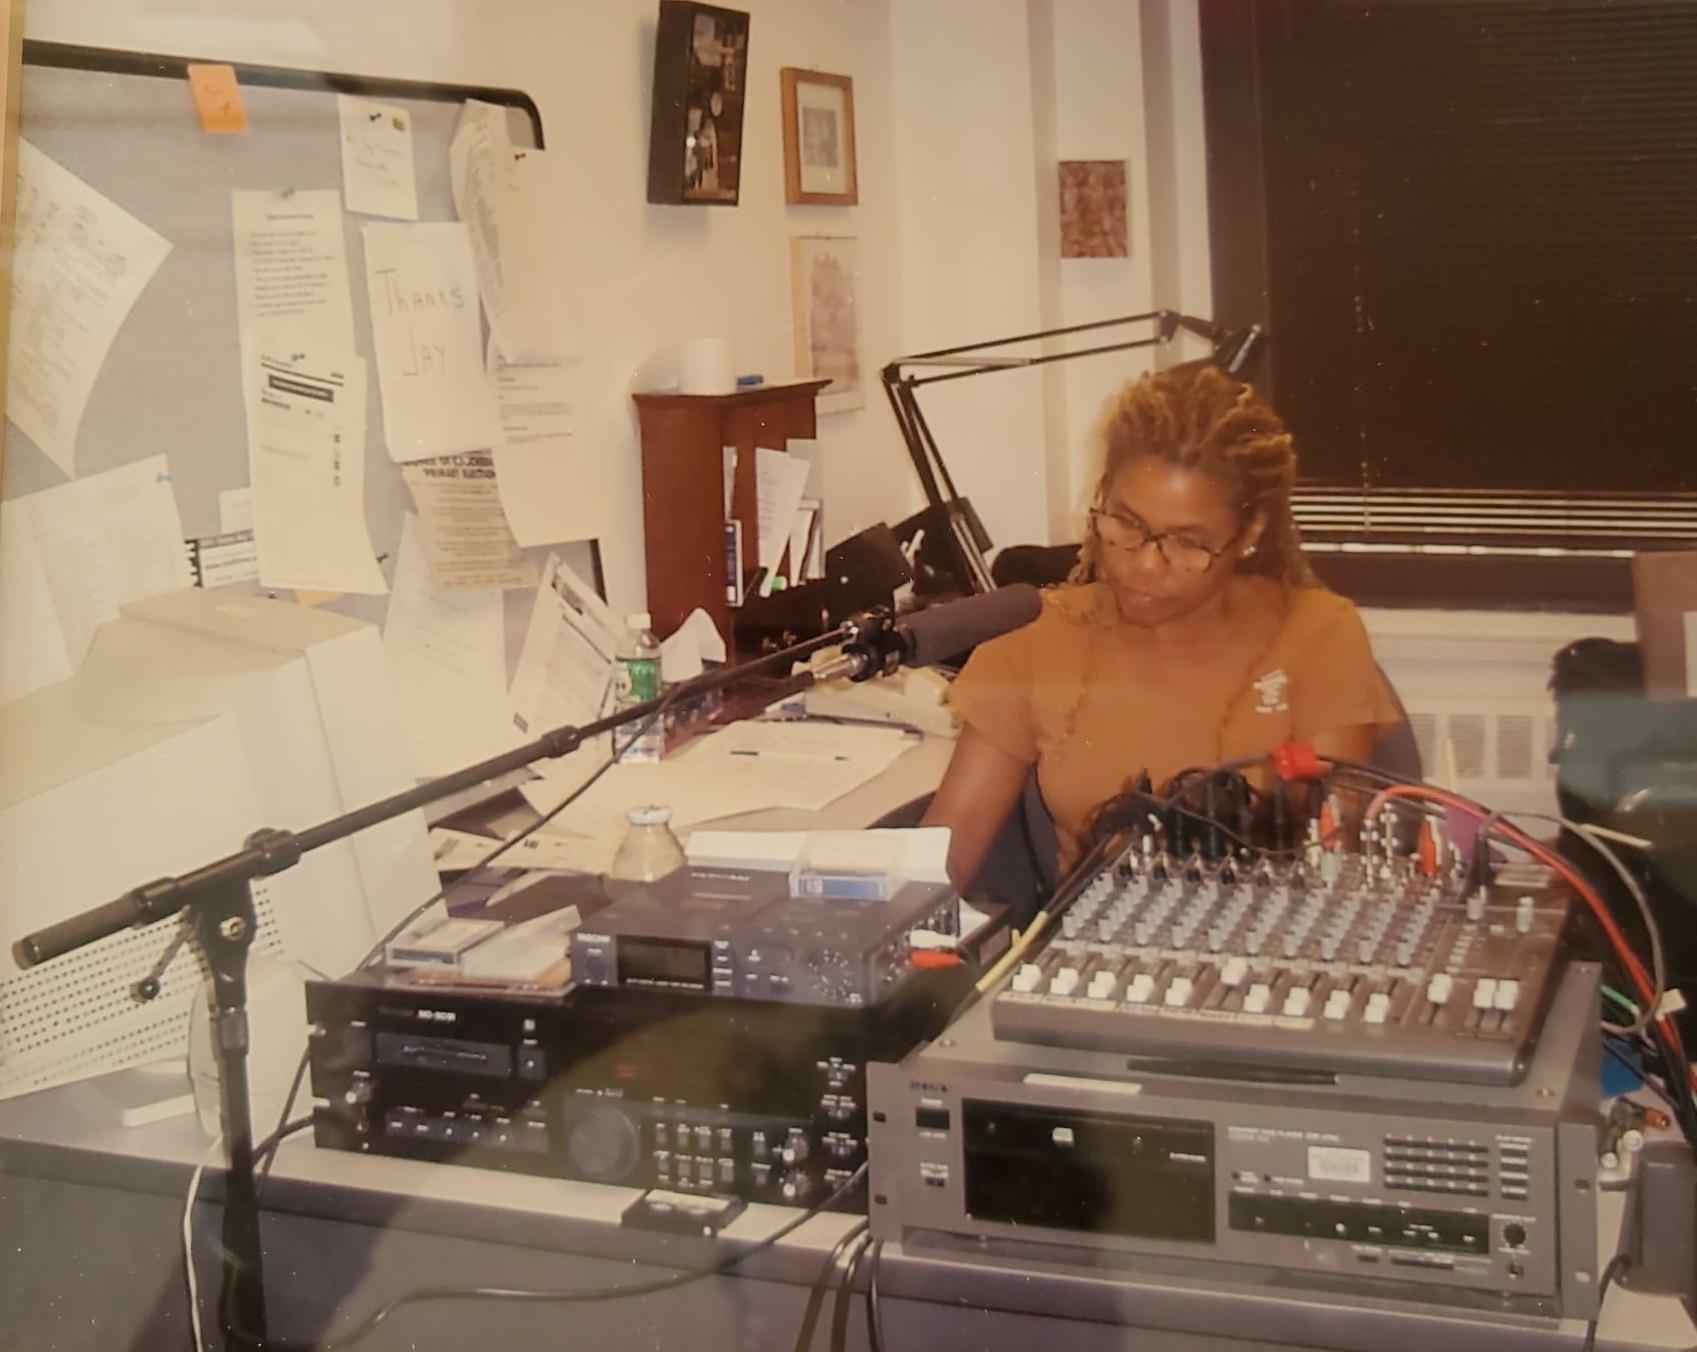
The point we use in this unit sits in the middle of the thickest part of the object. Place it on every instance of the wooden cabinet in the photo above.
(683, 504)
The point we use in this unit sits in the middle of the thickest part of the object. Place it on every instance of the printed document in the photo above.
(80, 261)
(32, 641)
(551, 488)
(437, 397)
(779, 482)
(445, 651)
(291, 270)
(306, 463)
(466, 537)
(377, 168)
(565, 670)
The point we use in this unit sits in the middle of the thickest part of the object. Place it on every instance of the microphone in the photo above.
(879, 643)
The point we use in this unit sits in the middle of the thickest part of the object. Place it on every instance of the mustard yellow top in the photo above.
(1086, 697)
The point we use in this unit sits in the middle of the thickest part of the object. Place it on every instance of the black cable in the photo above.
(431, 1294)
(816, 1293)
(845, 1294)
(1616, 1265)
(874, 1306)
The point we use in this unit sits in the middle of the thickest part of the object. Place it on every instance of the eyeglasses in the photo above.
(1180, 554)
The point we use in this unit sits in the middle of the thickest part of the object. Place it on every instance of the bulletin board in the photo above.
(125, 124)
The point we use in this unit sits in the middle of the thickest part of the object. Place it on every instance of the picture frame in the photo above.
(1093, 206)
(820, 168)
(825, 293)
(695, 136)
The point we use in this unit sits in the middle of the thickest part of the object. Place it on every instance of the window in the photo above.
(1470, 231)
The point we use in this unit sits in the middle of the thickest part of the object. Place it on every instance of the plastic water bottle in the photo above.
(638, 680)
(649, 850)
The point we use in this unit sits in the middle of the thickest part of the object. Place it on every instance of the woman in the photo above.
(1192, 630)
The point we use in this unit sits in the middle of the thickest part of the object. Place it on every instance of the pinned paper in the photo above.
(291, 271)
(437, 397)
(377, 163)
(465, 531)
(80, 263)
(551, 487)
(565, 670)
(306, 461)
(218, 98)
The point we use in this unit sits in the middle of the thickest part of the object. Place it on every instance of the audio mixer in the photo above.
(1336, 960)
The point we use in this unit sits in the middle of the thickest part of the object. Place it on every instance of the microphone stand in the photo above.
(219, 899)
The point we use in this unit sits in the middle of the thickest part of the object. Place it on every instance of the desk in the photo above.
(90, 1251)
(90, 1214)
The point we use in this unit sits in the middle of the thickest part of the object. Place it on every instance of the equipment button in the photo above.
(1296, 1001)
(931, 1119)
(1102, 985)
(1484, 993)
(1439, 987)
(1178, 993)
(1258, 997)
(1026, 978)
(1508, 994)
(532, 1063)
(1064, 982)
(1378, 1007)
(1232, 972)
(1337, 1005)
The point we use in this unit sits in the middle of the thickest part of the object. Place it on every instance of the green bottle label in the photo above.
(639, 679)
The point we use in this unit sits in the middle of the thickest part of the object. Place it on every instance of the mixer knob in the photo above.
(1064, 982)
(1337, 1005)
(1106, 927)
(1484, 993)
(1296, 1001)
(1476, 904)
(1404, 952)
(1178, 992)
(1025, 980)
(1378, 1007)
(1328, 948)
(1233, 972)
(1508, 994)
(1364, 947)
(1257, 998)
(1070, 925)
(1523, 915)
(1438, 988)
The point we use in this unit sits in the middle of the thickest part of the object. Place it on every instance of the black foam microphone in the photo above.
(881, 643)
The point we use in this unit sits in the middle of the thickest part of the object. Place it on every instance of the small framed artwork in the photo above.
(700, 85)
(1093, 196)
(825, 293)
(819, 164)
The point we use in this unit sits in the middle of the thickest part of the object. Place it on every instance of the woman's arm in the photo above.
(979, 789)
(1354, 743)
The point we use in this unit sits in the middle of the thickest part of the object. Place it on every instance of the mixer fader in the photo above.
(1339, 961)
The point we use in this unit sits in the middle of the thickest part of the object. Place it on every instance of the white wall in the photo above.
(642, 276)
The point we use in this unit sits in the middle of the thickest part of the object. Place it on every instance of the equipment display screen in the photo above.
(1151, 1178)
(663, 962)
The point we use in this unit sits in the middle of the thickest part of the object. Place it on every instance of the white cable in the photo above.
(188, 1243)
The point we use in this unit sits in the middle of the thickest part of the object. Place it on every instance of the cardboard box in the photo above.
(1664, 585)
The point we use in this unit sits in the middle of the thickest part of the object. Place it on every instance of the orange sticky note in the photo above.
(218, 98)
(315, 598)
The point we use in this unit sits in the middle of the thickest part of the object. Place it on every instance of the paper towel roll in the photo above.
(704, 366)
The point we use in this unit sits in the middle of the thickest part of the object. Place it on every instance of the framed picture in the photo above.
(1093, 195)
(700, 85)
(819, 165)
(825, 293)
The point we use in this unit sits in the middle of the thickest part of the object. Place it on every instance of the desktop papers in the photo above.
(447, 666)
(291, 270)
(780, 479)
(551, 491)
(437, 398)
(306, 462)
(73, 555)
(466, 536)
(565, 671)
(377, 168)
(79, 264)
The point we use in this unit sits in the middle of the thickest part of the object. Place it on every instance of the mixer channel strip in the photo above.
(1362, 966)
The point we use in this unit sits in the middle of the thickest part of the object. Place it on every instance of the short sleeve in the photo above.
(1339, 684)
(993, 694)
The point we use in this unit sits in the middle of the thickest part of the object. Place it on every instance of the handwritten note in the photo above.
(100, 541)
(437, 397)
(80, 263)
(466, 537)
(306, 461)
(217, 98)
(377, 165)
(291, 270)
